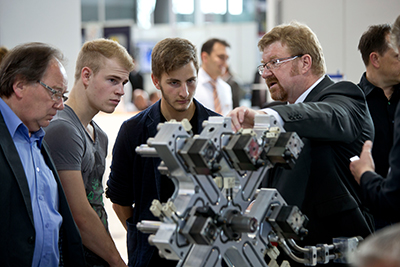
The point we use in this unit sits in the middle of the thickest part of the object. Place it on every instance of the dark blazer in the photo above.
(333, 123)
(135, 179)
(381, 195)
(17, 230)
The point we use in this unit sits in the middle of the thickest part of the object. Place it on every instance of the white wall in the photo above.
(339, 25)
(50, 21)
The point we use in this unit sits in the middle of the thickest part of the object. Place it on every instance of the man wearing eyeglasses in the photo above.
(333, 121)
(212, 91)
(79, 146)
(37, 227)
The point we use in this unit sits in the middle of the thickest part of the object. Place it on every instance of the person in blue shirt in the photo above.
(37, 228)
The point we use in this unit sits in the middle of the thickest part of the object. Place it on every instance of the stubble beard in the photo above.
(278, 93)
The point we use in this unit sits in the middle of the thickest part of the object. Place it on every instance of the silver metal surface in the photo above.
(218, 213)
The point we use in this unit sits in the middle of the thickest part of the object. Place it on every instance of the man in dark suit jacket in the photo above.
(333, 121)
(37, 228)
(381, 195)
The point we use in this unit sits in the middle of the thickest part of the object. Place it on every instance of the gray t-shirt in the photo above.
(72, 148)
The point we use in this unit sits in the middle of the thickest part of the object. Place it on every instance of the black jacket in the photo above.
(333, 123)
(17, 230)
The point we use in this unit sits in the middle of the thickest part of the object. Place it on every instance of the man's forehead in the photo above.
(219, 48)
(56, 70)
(113, 64)
(275, 50)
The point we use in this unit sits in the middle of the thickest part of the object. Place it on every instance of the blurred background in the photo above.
(139, 24)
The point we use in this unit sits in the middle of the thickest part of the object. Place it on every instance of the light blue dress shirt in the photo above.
(42, 186)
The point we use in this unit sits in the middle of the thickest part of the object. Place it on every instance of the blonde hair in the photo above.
(94, 52)
(300, 40)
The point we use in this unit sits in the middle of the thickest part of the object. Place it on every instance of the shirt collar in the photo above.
(303, 96)
(205, 77)
(14, 124)
(365, 85)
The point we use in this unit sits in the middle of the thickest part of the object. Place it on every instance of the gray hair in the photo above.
(382, 246)
(395, 37)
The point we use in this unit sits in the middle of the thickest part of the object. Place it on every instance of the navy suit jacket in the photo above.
(382, 195)
(17, 229)
(136, 179)
(333, 122)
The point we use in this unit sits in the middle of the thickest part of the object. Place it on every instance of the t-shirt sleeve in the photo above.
(66, 144)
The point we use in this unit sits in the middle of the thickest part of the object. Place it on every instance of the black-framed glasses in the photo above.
(275, 63)
(55, 95)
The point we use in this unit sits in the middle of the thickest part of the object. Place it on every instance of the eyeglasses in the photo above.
(275, 63)
(55, 95)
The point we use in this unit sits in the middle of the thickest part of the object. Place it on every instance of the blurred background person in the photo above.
(238, 92)
(382, 249)
(3, 52)
(213, 92)
(141, 99)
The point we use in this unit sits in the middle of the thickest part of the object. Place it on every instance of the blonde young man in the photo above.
(79, 146)
(135, 179)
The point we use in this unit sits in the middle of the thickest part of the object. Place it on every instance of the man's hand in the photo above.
(243, 117)
(365, 163)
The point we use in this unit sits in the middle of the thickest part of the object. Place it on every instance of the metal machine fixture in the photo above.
(217, 212)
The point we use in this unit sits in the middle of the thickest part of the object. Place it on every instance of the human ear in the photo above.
(306, 61)
(86, 73)
(204, 56)
(374, 59)
(19, 87)
(156, 81)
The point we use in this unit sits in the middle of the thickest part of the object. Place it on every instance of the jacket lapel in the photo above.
(326, 81)
(152, 120)
(14, 162)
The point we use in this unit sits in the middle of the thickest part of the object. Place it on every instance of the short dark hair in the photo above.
(208, 45)
(27, 61)
(171, 54)
(374, 40)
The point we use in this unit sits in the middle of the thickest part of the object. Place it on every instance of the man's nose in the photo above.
(266, 73)
(59, 105)
(184, 91)
(120, 90)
